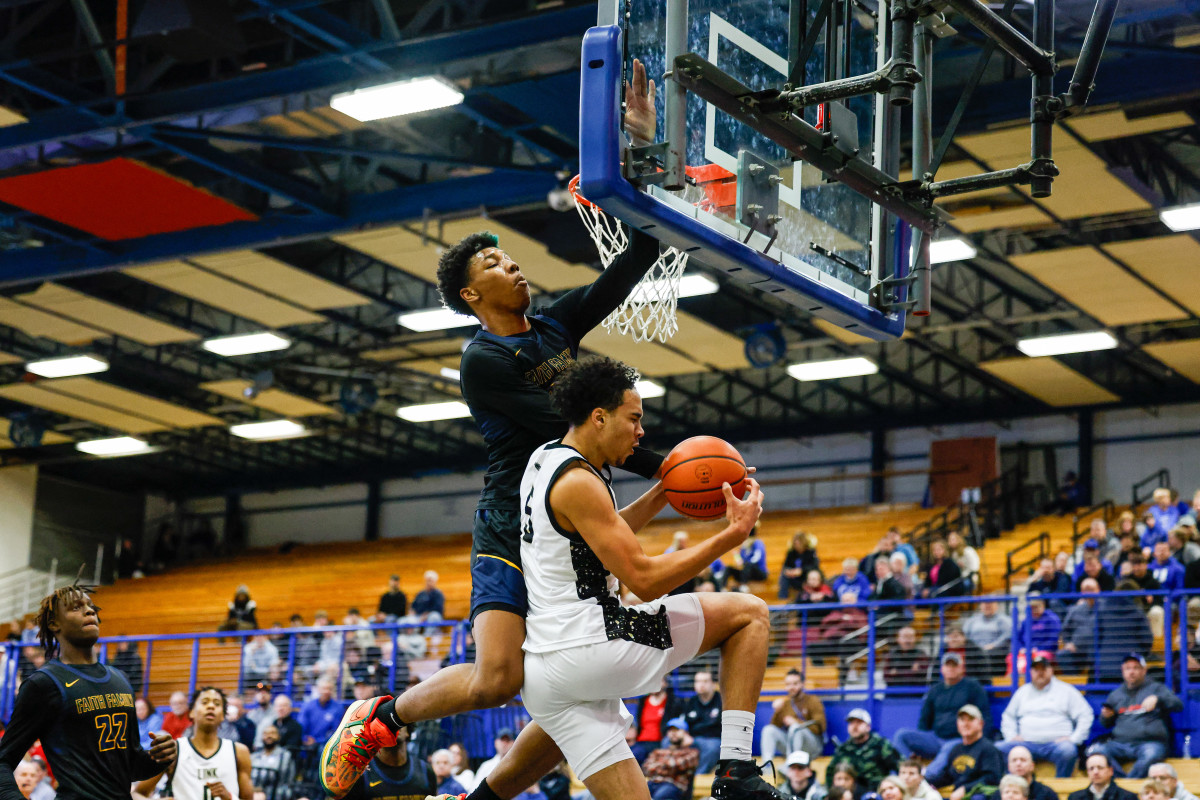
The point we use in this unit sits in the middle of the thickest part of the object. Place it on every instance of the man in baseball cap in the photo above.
(973, 765)
(870, 754)
(670, 770)
(1137, 711)
(937, 730)
(801, 783)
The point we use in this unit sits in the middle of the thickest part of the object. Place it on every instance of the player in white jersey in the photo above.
(209, 767)
(583, 650)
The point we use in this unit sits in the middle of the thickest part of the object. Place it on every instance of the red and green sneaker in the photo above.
(445, 797)
(350, 749)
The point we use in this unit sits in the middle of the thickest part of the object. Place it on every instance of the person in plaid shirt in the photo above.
(670, 770)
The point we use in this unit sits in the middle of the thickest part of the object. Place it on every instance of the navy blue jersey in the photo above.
(412, 781)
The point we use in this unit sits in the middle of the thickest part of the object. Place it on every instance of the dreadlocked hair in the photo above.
(65, 598)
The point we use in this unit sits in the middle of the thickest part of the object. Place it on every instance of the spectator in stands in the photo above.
(1041, 627)
(883, 551)
(1092, 567)
(901, 572)
(815, 590)
(964, 555)
(556, 784)
(430, 604)
(797, 721)
(176, 720)
(1106, 545)
(259, 708)
(244, 727)
(1166, 570)
(891, 788)
(272, 767)
(1165, 515)
(991, 632)
(670, 770)
(1048, 717)
(460, 765)
(29, 775)
(845, 784)
(1123, 629)
(1020, 764)
(393, 604)
(749, 562)
(1183, 549)
(291, 735)
(1049, 581)
(320, 715)
(973, 765)
(1077, 640)
(1141, 577)
(800, 559)
(702, 711)
(1070, 495)
(868, 753)
(242, 613)
(904, 548)
(887, 587)
(127, 660)
(915, 785)
(443, 767)
(801, 783)
(307, 647)
(942, 574)
(906, 664)
(149, 721)
(502, 743)
(259, 657)
(1154, 790)
(1100, 782)
(1129, 546)
(1013, 788)
(937, 728)
(973, 659)
(851, 585)
(653, 711)
(1166, 773)
(1138, 711)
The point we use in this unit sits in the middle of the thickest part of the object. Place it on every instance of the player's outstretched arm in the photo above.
(645, 508)
(580, 502)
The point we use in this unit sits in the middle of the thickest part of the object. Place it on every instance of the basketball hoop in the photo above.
(649, 312)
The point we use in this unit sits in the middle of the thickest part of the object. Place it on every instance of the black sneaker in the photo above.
(742, 780)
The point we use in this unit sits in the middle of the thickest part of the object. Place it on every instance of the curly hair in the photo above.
(454, 269)
(65, 598)
(594, 382)
(201, 690)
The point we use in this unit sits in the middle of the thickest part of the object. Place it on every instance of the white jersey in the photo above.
(573, 598)
(193, 771)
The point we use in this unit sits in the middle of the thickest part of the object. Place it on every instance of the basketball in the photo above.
(693, 474)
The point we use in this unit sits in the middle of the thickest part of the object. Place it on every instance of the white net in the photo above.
(649, 312)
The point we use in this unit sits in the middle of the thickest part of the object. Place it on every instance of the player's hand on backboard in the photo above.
(163, 748)
(743, 514)
(640, 114)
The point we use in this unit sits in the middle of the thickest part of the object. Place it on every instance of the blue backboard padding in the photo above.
(601, 183)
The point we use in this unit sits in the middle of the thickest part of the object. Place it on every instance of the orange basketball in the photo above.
(694, 471)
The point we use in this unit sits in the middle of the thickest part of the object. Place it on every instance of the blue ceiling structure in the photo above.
(220, 100)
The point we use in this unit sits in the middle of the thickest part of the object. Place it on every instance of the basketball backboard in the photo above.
(748, 208)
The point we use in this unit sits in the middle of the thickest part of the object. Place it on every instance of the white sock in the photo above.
(737, 735)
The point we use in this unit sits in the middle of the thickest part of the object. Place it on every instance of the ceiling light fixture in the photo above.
(450, 374)
(1181, 218)
(115, 446)
(648, 389)
(945, 250)
(67, 366)
(833, 368)
(396, 99)
(269, 430)
(244, 344)
(432, 412)
(692, 285)
(1060, 344)
(435, 319)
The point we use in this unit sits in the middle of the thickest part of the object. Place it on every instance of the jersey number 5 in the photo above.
(112, 730)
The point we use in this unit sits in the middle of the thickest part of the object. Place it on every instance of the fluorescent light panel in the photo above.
(435, 319)
(432, 412)
(1067, 343)
(116, 446)
(649, 389)
(269, 430)
(243, 344)
(450, 374)
(1181, 218)
(67, 366)
(689, 286)
(833, 368)
(396, 99)
(946, 250)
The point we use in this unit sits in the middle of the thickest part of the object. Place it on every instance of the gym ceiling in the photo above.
(196, 183)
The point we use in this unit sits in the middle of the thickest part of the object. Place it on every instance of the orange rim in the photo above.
(573, 188)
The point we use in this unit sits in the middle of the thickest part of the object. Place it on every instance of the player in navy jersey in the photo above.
(81, 710)
(392, 775)
(507, 371)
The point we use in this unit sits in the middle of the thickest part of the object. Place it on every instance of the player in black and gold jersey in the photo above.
(394, 776)
(81, 710)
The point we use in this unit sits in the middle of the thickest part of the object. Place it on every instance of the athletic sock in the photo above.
(387, 715)
(483, 792)
(737, 735)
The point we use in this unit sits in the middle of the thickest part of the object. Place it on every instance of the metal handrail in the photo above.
(1043, 542)
(1108, 509)
(1161, 479)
